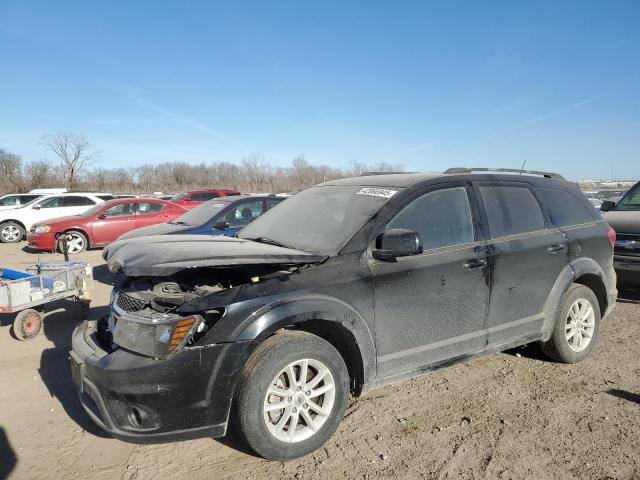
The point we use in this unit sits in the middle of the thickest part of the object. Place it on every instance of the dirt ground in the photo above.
(511, 415)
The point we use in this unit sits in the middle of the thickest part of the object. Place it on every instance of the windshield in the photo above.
(631, 201)
(178, 196)
(320, 219)
(201, 214)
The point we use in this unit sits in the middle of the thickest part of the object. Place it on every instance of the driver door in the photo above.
(431, 308)
(117, 220)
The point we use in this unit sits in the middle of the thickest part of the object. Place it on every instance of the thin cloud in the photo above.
(538, 119)
(135, 96)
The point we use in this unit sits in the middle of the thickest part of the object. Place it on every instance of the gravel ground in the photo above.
(510, 415)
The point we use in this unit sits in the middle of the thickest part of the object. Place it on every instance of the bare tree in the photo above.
(11, 171)
(72, 150)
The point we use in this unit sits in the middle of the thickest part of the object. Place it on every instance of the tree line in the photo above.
(78, 168)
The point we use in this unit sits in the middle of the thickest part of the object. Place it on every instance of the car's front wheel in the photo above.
(76, 242)
(292, 395)
(577, 326)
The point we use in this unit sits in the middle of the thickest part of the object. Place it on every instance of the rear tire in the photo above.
(577, 326)
(296, 419)
(11, 232)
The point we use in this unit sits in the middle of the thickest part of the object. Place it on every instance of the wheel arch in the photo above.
(330, 319)
(14, 221)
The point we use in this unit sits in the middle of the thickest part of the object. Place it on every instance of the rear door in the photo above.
(76, 204)
(431, 308)
(118, 219)
(527, 254)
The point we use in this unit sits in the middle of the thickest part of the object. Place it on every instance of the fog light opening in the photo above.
(135, 417)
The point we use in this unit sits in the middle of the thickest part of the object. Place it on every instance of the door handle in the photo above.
(557, 248)
(131, 219)
(474, 264)
(164, 216)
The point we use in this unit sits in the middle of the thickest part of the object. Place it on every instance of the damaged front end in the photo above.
(160, 360)
(146, 318)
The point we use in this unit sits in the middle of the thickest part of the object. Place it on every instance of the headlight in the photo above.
(42, 229)
(156, 337)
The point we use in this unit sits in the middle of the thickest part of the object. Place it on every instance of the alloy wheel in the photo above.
(11, 233)
(299, 400)
(75, 243)
(580, 324)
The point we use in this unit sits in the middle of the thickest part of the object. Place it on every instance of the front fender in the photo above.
(270, 318)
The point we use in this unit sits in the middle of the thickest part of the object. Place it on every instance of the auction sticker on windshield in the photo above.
(377, 192)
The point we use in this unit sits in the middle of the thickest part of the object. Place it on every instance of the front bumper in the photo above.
(42, 241)
(142, 400)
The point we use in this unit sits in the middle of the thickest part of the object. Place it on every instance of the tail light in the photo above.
(611, 235)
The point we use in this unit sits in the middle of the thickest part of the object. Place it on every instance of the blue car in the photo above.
(220, 216)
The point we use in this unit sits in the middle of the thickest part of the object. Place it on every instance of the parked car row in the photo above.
(89, 219)
(342, 288)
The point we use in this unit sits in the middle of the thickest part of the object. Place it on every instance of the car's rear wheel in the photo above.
(577, 326)
(76, 242)
(292, 395)
(11, 232)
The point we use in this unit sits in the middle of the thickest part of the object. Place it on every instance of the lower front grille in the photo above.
(627, 244)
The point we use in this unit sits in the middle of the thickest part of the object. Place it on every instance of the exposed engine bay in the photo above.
(145, 309)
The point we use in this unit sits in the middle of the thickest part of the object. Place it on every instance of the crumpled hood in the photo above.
(623, 221)
(163, 255)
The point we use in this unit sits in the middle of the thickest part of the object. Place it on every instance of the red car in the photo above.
(102, 224)
(193, 198)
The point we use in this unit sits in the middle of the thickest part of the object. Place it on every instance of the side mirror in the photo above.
(221, 225)
(102, 216)
(397, 242)
(37, 207)
(607, 206)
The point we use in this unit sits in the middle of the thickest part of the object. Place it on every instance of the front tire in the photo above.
(291, 396)
(11, 232)
(577, 326)
(77, 242)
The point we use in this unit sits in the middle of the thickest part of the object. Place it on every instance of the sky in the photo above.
(425, 85)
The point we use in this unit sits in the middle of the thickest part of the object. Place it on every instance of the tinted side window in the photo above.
(5, 202)
(52, 202)
(74, 201)
(441, 218)
(121, 210)
(564, 208)
(148, 208)
(511, 210)
(244, 213)
(28, 198)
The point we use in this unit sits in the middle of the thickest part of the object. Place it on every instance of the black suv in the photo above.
(344, 287)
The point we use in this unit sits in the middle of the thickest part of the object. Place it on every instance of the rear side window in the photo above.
(511, 210)
(106, 197)
(8, 201)
(148, 208)
(77, 201)
(27, 198)
(564, 208)
(441, 218)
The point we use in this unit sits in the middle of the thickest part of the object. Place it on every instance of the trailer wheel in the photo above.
(27, 324)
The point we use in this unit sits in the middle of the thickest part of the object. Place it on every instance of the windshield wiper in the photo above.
(269, 241)
(178, 222)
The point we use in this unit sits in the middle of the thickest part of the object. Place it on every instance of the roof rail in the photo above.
(504, 170)
(368, 174)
